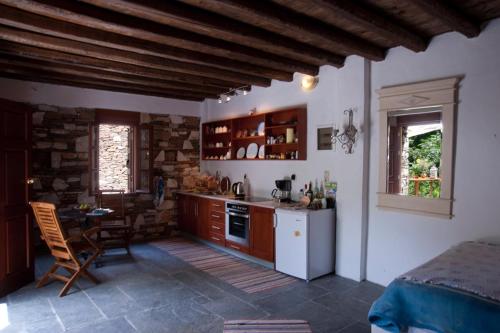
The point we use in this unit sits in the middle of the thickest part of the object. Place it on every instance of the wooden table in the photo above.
(84, 220)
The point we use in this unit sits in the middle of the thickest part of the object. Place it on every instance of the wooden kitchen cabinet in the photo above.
(203, 227)
(182, 212)
(190, 208)
(216, 222)
(262, 233)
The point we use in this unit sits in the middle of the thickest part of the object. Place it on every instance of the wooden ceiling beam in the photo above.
(361, 16)
(58, 79)
(36, 23)
(181, 16)
(73, 70)
(79, 48)
(93, 17)
(110, 66)
(282, 20)
(449, 16)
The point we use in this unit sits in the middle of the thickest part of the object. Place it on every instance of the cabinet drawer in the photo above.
(216, 207)
(217, 227)
(237, 247)
(216, 238)
(217, 217)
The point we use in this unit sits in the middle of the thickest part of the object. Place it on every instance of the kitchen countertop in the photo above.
(264, 204)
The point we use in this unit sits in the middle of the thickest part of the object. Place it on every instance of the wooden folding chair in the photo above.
(64, 249)
(115, 232)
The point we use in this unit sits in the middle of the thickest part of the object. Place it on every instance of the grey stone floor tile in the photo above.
(154, 292)
(350, 307)
(117, 325)
(75, 309)
(26, 313)
(29, 292)
(281, 303)
(158, 295)
(319, 317)
(159, 320)
(201, 285)
(231, 308)
(356, 328)
(334, 283)
(112, 301)
(44, 326)
(366, 291)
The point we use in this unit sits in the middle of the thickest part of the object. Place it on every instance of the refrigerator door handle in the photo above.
(275, 221)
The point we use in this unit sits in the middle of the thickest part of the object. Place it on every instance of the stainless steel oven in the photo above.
(237, 223)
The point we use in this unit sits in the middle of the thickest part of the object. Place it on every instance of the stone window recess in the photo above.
(120, 153)
(114, 157)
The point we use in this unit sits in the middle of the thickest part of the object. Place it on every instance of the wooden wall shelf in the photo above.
(242, 131)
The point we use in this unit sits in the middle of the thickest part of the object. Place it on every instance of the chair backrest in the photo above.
(51, 229)
(113, 199)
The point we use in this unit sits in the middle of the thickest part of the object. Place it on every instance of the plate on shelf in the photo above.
(261, 152)
(252, 150)
(260, 129)
(240, 153)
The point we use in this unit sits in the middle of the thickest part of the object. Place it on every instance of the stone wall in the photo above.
(61, 160)
(114, 156)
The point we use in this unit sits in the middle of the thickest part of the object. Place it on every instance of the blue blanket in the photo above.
(441, 309)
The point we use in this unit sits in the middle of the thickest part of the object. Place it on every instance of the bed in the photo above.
(458, 291)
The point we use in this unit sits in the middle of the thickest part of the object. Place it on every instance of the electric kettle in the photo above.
(238, 189)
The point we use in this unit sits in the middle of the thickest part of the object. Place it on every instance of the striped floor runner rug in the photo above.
(240, 273)
(266, 326)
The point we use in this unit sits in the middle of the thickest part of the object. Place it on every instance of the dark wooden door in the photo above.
(16, 234)
(262, 233)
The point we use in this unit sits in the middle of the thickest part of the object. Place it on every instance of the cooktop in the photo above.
(252, 199)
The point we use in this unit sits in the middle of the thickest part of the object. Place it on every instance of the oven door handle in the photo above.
(237, 215)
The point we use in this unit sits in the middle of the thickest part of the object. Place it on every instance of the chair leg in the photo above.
(90, 276)
(45, 278)
(69, 284)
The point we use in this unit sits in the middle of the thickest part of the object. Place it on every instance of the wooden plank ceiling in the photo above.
(197, 49)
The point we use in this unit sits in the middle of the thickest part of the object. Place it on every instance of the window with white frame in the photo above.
(417, 128)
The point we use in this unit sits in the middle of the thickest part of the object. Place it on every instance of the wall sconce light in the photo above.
(309, 82)
(348, 137)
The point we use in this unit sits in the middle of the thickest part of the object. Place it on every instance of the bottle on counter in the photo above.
(316, 188)
(309, 193)
(246, 185)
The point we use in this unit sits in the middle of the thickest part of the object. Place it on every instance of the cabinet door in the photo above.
(181, 212)
(193, 213)
(203, 222)
(262, 233)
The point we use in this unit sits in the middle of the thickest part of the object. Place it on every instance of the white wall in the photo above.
(399, 242)
(337, 90)
(72, 97)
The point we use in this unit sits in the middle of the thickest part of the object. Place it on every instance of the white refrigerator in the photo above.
(305, 242)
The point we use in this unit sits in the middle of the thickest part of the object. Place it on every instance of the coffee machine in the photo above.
(283, 192)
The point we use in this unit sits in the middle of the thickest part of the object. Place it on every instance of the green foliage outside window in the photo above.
(424, 152)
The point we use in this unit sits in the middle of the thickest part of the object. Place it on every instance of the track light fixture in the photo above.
(226, 97)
